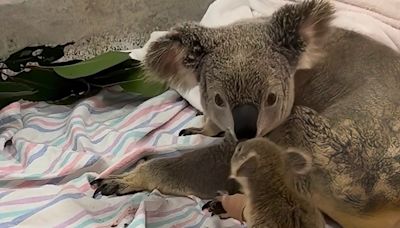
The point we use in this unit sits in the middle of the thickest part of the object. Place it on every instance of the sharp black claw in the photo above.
(98, 192)
(206, 205)
(96, 182)
(126, 193)
(217, 208)
(182, 132)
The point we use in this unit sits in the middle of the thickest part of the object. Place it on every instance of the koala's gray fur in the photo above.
(268, 176)
(327, 91)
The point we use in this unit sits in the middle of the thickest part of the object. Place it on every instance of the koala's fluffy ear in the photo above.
(248, 165)
(297, 161)
(173, 58)
(300, 30)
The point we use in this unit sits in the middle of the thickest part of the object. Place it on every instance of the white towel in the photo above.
(379, 20)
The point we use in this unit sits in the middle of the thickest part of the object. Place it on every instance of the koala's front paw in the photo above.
(113, 185)
(227, 206)
(215, 206)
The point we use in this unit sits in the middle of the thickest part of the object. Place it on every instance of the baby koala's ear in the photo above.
(297, 161)
(248, 165)
(173, 58)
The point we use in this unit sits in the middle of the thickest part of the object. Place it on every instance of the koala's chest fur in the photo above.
(350, 122)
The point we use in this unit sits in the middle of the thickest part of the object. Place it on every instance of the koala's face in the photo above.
(245, 87)
(245, 70)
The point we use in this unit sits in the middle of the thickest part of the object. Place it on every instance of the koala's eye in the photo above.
(271, 99)
(218, 100)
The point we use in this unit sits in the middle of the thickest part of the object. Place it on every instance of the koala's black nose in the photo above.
(245, 119)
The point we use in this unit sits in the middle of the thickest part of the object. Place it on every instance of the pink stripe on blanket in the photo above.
(15, 106)
(137, 150)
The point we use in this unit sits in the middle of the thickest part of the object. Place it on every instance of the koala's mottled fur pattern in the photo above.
(344, 110)
(268, 174)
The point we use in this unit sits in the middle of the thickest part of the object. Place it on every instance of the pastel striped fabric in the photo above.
(49, 153)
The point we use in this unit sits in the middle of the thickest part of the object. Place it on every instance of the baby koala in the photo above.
(267, 173)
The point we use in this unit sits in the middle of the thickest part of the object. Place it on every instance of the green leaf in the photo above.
(49, 85)
(130, 76)
(73, 98)
(92, 66)
(145, 88)
(65, 84)
(123, 72)
(114, 78)
(7, 86)
(14, 89)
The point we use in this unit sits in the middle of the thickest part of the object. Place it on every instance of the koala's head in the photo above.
(261, 157)
(245, 70)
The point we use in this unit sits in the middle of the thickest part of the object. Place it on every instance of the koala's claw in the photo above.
(104, 187)
(184, 132)
(215, 207)
(110, 186)
(195, 131)
(94, 183)
(190, 131)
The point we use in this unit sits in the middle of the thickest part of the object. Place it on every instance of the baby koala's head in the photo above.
(267, 174)
(261, 158)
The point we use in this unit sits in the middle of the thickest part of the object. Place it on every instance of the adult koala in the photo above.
(291, 77)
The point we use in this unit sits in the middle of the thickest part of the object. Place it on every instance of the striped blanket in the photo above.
(48, 155)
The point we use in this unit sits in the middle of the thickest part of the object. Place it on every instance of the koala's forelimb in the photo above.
(201, 173)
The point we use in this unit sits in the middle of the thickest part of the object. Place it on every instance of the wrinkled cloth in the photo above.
(49, 153)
